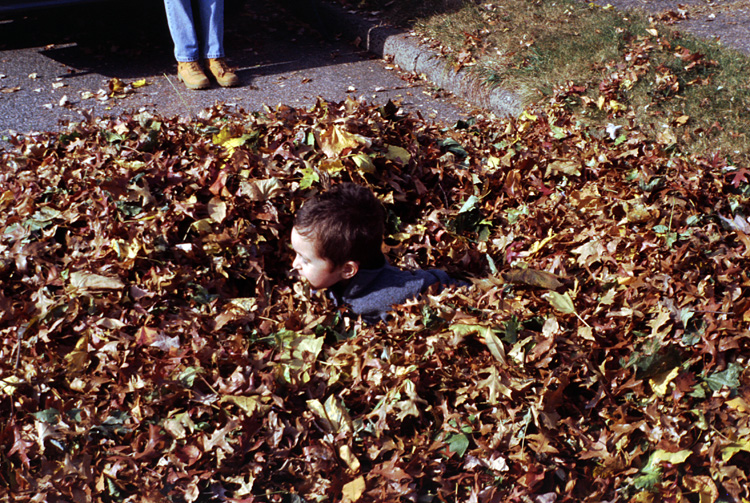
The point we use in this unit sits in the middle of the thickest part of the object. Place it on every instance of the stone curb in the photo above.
(412, 56)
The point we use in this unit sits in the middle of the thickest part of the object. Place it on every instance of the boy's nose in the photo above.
(295, 263)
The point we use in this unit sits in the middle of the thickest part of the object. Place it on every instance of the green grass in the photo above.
(546, 48)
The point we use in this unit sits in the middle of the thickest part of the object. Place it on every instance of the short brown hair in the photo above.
(346, 222)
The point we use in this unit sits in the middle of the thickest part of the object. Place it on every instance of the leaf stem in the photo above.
(179, 94)
(584, 321)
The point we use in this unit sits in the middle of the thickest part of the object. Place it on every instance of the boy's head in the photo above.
(336, 233)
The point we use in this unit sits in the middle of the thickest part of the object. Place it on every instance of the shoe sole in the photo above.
(194, 87)
(229, 84)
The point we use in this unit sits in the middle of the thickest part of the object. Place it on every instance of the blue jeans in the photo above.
(193, 42)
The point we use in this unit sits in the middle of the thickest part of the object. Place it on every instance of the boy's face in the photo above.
(318, 271)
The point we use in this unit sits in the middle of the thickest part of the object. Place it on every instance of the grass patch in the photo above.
(612, 67)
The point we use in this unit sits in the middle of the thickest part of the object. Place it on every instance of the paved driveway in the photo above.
(57, 63)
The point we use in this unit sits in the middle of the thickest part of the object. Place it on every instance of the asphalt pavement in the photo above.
(58, 64)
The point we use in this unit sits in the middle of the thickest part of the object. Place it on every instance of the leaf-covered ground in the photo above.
(155, 346)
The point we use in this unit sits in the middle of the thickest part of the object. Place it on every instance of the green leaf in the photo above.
(561, 302)
(454, 147)
(512, 327)
(363, 162)
(469, 204)
(309, 177)
(396, 153)
(47, 415)
(515, 214)
(728, 378)
(458, 443)
(111, 137)
(491, 264)
(648, 480)
(187, 376)
(557, 132)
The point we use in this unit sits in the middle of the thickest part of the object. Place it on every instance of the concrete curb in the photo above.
(412, 56)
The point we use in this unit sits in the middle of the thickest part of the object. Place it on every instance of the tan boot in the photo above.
(192, 75)
(225, 77)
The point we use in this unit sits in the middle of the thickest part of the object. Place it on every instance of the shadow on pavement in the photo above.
(131, 40)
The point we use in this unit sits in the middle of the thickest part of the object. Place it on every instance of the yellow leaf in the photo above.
(666, 137)
(739, 404)
(250, 404)
(643, 497)
(336, 139)
(730, 450)
(9, 384)
(354, 490)
(586, 333)
(397, 154)
(139, 83)
(202, 226)
(703, 485)
(674, 458)
(346, 454)
(222, 137)
(660, 383)
(126, 250)
(662, 317)
(493, 163)
(538, 245)
(331, 165)
(116, 85)
(232, 143)
(364, 163)
(79, 357)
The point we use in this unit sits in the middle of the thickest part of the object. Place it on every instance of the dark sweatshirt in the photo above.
(371, 293)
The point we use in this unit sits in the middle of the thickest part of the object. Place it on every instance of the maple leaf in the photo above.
(739, 176)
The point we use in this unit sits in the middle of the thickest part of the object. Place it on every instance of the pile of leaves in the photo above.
(156, 347)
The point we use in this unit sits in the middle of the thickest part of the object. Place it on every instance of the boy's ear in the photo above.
(350, 269)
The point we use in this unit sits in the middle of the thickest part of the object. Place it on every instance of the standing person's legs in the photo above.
(183, 30)
(186, 47)
(211, 14)
(212, 36)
